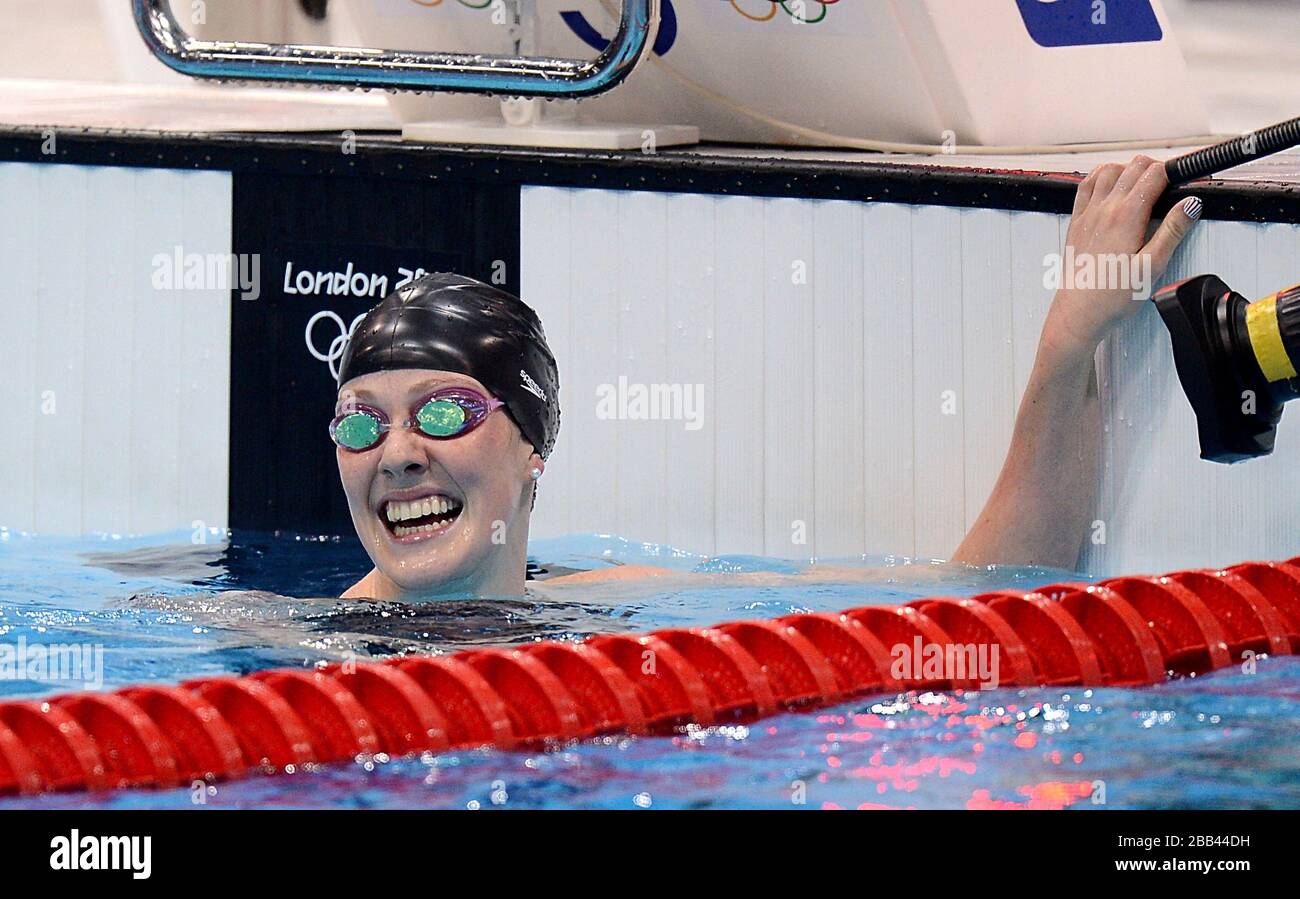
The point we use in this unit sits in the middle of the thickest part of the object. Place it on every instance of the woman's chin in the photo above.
(413, 573)
(430, 561)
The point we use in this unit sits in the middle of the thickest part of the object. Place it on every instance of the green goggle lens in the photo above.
(441, 418)
(357, 431)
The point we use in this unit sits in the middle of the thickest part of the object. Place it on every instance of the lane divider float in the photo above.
(1126, 631)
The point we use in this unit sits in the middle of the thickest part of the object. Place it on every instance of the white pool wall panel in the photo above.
(861, 366)
(120, 420)
(690, 305)
(867, 407)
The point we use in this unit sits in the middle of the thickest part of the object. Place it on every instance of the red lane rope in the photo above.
(1124, 631)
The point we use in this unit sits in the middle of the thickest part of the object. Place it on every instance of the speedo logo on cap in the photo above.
(531, 386)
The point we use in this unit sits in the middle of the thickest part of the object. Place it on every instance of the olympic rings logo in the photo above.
(808, 12)
(335, 352)
(468, 4)
(798, 10)
(801, 12)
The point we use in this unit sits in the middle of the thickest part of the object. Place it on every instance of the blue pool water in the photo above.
(163, 610)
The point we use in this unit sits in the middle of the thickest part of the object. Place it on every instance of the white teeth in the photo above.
(405, 511)
(422, 529)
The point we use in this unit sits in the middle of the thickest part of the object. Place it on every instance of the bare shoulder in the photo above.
(810, 574)
(362, 589)
(614, 573)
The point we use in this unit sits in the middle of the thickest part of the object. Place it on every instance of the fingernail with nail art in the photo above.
(1192, 208)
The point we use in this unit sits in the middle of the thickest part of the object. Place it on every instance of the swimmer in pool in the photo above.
(448, 408)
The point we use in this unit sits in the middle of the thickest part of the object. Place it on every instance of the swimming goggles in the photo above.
(442, 415)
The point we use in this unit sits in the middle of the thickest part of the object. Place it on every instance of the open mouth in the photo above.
(419, 518)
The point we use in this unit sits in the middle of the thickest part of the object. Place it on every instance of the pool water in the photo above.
(162, 609)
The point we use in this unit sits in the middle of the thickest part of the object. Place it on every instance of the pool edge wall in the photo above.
(857, 337)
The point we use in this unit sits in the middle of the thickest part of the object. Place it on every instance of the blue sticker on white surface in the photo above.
(1076, 23)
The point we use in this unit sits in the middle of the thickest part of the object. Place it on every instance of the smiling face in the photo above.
(437, 516)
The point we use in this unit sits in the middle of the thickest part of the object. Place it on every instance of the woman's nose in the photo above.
(403, 454)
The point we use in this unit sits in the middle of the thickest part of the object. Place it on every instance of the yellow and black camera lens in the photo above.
(1237, 362)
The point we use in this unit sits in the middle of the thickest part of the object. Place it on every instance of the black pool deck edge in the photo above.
(692, 170)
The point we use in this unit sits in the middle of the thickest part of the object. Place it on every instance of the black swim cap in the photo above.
(453, 323)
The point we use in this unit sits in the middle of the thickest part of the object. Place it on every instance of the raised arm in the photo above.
(1040, 507)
